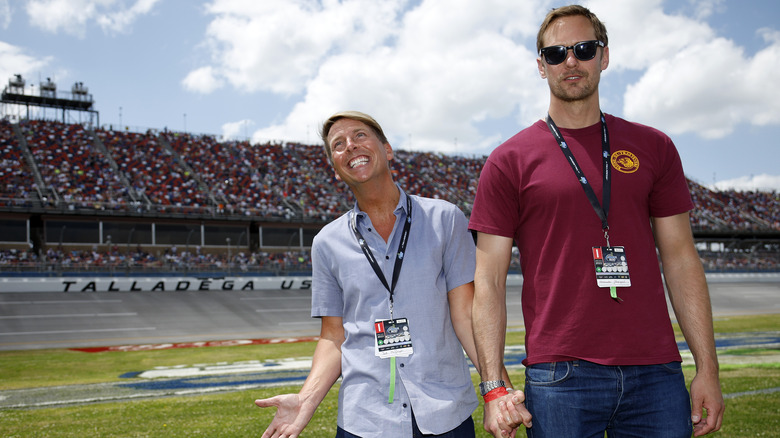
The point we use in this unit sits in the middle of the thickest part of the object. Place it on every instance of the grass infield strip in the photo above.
(750, 379)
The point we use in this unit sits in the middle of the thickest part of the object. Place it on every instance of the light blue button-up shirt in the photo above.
(435, 380)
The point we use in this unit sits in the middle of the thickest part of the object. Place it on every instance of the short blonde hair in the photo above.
(571, 11)
(352, 115)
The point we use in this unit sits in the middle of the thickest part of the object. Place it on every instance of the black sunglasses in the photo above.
(584, 51)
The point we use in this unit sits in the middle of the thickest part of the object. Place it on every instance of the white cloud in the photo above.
(202, 80)
(428, 99)
(72, 16)
(5, 14)
(710, 96)
(239, 129)
(706, 8)
(765, 91)
(640, 33)
(761, 182)
(120, 21)
(429, 74)
(437, 73)
(278, 45)
(15, 61)
(771, 36)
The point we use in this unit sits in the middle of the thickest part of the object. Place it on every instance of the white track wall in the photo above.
(162, 284)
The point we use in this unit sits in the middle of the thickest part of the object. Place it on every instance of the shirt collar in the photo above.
(399, 209)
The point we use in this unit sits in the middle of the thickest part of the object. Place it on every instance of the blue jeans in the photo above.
(465, 430)
(584, 399)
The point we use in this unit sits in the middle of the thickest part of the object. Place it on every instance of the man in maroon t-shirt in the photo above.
(587, 197)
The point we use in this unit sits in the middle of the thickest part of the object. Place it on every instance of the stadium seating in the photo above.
(17, 185)
(183, 173)
(74, 171)
(732, 210)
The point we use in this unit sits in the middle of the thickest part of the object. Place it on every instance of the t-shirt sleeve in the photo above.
(670, 194)
(496, 205)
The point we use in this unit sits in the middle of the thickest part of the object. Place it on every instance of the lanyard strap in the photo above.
(601, 210)
(391, 396)
(399, 259)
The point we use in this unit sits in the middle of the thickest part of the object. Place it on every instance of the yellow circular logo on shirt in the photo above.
(625, 161)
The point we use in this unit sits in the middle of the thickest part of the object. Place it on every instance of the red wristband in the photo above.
(496, 393)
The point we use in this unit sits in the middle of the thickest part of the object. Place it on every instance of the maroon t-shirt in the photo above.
(528, 191)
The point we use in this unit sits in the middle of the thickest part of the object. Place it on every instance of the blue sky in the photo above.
(454, 76)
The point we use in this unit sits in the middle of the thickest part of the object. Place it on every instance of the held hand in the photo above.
(512, 413)
(290, 418)
(504, 415)
(706, 396)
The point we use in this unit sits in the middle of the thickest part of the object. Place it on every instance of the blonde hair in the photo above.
(352, 115)
(570, 11)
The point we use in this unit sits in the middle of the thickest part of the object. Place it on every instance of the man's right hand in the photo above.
(290, 418)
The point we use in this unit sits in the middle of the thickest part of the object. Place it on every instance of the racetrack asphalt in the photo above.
(94, 319)
(160, 319)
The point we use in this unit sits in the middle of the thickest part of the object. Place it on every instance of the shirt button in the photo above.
(387, 257)
(402, 365)
(404, 404)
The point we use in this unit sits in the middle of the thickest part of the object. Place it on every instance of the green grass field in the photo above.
(745, 373)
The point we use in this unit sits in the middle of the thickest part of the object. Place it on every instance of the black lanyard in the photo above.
(399, 259)
(601, 211)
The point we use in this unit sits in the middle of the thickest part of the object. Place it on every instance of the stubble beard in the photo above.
(570, 94)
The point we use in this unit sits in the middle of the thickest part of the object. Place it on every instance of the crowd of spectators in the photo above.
(732, 210)
(140, 260)
(172, 260)
(741, 261)
(111, 169)
(181, 172)
(271, 179)
(157, 175)
(17, 185)
(74, 171)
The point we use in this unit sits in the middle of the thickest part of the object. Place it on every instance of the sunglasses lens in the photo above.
(554, 54)
(585, 51)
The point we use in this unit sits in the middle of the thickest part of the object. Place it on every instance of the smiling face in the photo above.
(357, 153)
(573, 80)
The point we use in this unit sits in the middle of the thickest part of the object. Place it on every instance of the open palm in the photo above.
(290, 418)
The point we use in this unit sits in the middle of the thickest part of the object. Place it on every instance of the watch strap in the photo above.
(489, 385)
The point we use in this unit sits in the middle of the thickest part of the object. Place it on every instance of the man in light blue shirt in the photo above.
(393, 285)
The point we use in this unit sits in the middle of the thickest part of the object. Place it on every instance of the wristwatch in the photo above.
(489, 385)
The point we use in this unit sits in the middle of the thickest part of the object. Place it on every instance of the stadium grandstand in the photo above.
(77, 197)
